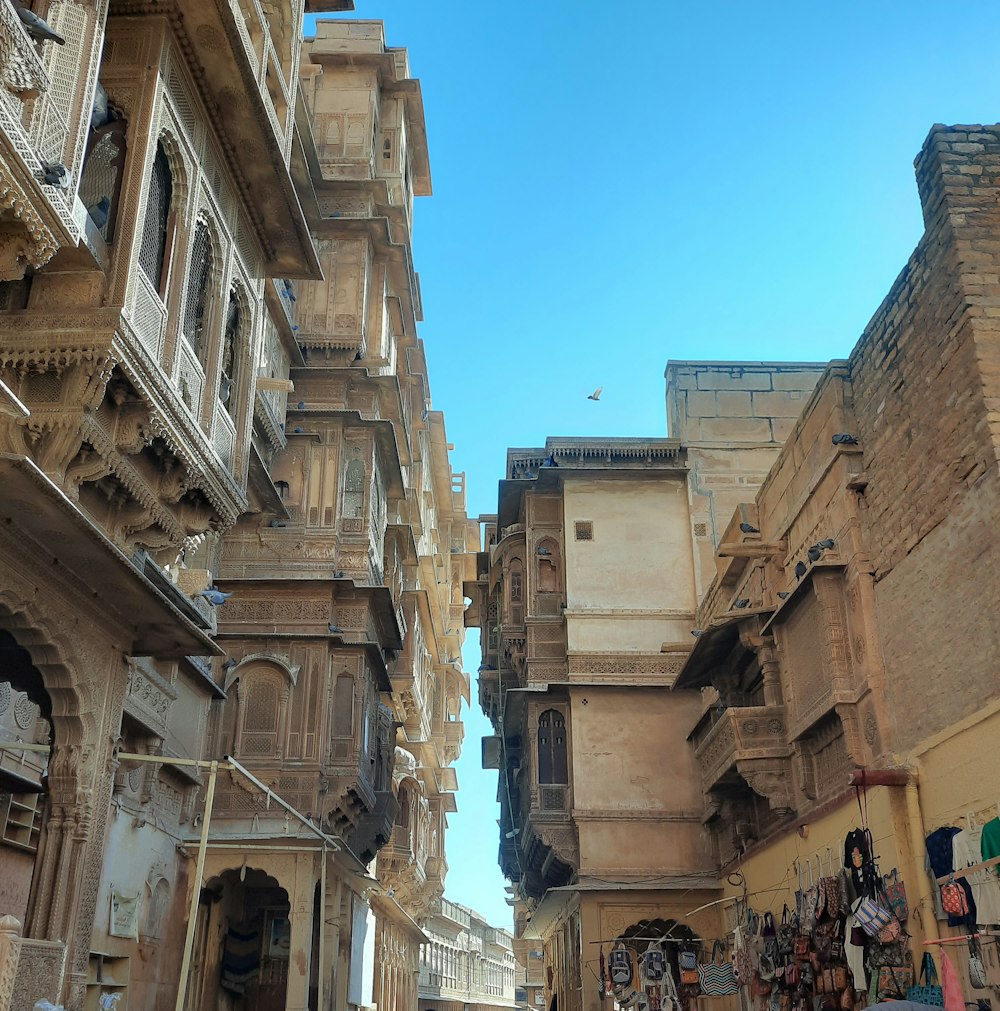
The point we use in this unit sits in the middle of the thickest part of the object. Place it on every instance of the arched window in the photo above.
(159, 904)
(260, 705)
(548, 566)
(101, 182)
(232, 353)
(552, 747)
(354, 490)
(196, 309)
(156, 228)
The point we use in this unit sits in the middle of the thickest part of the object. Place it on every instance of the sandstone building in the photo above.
(212, 381)
(641, 765)
(466, 965)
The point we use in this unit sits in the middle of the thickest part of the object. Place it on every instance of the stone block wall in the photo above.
(737, 403)
(926, 383)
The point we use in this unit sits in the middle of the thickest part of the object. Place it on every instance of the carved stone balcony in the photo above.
(751, 741)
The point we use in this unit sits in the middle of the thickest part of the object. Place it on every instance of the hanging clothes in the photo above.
(854, 954)
(940, 852)
(991, 842)
(967, 850)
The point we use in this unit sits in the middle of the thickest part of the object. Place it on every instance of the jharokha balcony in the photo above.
(749, 741)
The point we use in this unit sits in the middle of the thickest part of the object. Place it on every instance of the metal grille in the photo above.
(260, 717)
(583, 530)
(196, 306)
(148, 316)
(154, 229)
(101, 182)
(224, 437)
(182, 103)
(43, 388)
(190, 378)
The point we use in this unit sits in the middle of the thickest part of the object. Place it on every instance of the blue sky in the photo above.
(616, 185)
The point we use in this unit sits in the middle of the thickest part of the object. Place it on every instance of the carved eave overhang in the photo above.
(802, 586)
(328, 6)
(610, 458)
(391, 453)
(102, 339)
(263, 488)
(65, 537)
(333, 389)
(715, 645)
(225, 73)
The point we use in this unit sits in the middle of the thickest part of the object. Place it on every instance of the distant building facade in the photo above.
(466, 965)
(233, 544)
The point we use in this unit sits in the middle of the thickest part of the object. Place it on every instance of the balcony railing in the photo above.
(741, 734)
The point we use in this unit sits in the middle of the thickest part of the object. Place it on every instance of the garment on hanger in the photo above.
(991, 842)
(967, 850)
(942, 858)
(854, 953)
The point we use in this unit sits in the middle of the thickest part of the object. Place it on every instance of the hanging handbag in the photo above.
(653, 964)
(787, 930)
(830, 892)
(893, 982)
(953, 898)
(895, 892)
(759, 986)
(878, 955)
(890, 932)
(930, 992)
(742, 966)
(871, 916)
(800, 947)
(688, 963)
(716, 977)
(977, 971)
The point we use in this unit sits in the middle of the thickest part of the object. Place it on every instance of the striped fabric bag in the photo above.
(716, 977)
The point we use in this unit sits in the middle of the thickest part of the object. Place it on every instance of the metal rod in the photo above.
(335, 844)
(42, 749)
(199, 872)
(321, 940)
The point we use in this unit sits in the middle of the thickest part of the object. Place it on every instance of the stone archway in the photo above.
(250, 910)
(67, 868)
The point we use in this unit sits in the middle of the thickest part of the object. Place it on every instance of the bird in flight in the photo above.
(596, 395)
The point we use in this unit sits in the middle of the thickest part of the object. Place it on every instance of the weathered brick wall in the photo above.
(926, 381)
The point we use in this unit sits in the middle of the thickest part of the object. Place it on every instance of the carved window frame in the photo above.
(552, 747)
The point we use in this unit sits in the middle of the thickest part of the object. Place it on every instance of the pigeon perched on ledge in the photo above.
(38, 29)
(214, 596)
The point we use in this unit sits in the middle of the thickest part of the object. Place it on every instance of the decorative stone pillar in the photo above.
(10, 950)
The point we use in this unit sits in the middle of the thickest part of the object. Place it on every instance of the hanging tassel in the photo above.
(605, 982)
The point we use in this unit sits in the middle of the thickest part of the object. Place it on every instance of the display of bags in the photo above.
(717, 977)
(930, 991)
(893, 982)
(688, 964)
(895, 892)
(871, 916)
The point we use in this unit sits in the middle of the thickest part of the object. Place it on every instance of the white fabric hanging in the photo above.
(967, 848)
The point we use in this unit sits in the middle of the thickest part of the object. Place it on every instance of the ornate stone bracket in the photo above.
(770, 780)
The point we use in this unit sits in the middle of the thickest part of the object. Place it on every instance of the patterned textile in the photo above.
(954, 1000)
(240, 957)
